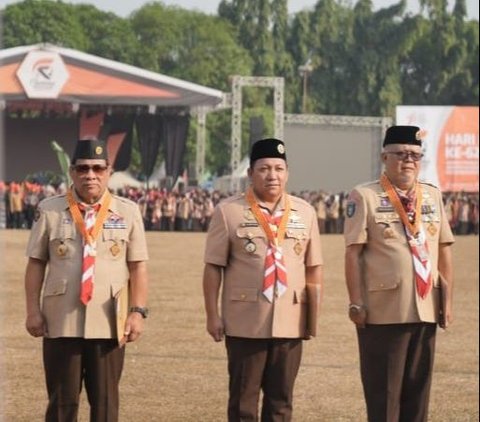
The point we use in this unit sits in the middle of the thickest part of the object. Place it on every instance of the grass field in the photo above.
(176, 373)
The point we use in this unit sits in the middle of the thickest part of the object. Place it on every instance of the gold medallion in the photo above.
(432, 229)
(298, 248)
(250, 247)
(62, 249)
(115, 249)
(389, 233)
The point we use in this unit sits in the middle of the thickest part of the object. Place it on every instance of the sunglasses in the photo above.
(85, 168)
(403, 155)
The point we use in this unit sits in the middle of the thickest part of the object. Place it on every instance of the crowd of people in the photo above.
(191, 210)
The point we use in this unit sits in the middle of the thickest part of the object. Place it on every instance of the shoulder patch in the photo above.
(351, 208)
(37, 215)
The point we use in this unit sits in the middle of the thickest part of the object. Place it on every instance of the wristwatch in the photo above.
(353, 308)
(142, 311)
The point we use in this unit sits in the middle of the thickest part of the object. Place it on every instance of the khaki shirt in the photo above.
(388, 278)
(245, 311)
(65, 315)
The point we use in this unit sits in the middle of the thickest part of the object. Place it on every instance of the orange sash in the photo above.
(90, 235)
(260, 217)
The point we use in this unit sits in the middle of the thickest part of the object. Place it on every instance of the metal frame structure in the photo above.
(238, 82)
(234, 101)
(201, 114)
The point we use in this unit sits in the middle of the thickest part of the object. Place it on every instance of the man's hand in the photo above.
(133, 327)
(358, 315)
(35, 325)
(215, 328)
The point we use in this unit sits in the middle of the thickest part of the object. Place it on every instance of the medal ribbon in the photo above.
(89, 227)
(275, 274)
(415, 235)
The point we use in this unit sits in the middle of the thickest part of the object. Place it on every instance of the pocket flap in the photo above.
(250, 232)
(244, 294)
(64, 231)
(115, 234)
(55, 288)
(382, 285)
(299, 234)
(387, 218)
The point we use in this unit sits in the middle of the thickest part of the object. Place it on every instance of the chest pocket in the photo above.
(62, 241)
(389, 227)
(114, 243)
(252, 240)
(296, 240)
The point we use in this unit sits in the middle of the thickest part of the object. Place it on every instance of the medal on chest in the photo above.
(62, 249)
(115, 249)
(298, 248)
(250, 246)
(389, 233)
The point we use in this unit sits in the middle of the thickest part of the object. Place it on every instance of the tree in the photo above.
(44, 21)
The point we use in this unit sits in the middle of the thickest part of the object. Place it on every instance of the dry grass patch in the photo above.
(175, 373)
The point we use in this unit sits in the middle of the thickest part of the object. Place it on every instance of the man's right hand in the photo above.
(35, 325)
(216, 328)
(358, 315)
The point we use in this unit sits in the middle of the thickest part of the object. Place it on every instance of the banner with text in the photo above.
(450, 146)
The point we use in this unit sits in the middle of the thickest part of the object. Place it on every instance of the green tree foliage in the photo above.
(34, 21)
(442, 67)
(189, 45)
(108, 35)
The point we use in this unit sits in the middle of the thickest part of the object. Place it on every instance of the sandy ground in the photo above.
(177, 373)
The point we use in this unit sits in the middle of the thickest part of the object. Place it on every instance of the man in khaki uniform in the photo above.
(264, 246)
(398, 256)
(91, 247)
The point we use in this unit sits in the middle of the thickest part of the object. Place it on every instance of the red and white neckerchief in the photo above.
(421, 262)
(275, 271)
(89, 227)
(274, 225)
(89, 253)
(409, 208)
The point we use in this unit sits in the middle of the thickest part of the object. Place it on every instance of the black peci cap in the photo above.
(90, 149)
(411, 135)
(267, 148)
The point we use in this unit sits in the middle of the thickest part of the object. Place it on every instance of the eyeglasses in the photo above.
(85, 168)
(404, 155)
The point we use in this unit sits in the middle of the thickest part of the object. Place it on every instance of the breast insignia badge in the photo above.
(115, 249)
(389, 233)
(250, 247)
(298, 248)
(62, 249)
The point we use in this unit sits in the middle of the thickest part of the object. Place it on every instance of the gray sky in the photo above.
(124, 7)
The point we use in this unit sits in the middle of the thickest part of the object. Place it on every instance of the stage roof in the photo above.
(50, 73)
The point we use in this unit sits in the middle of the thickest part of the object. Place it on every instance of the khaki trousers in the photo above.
(70, 362)
(270, 365)
(396, 363)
